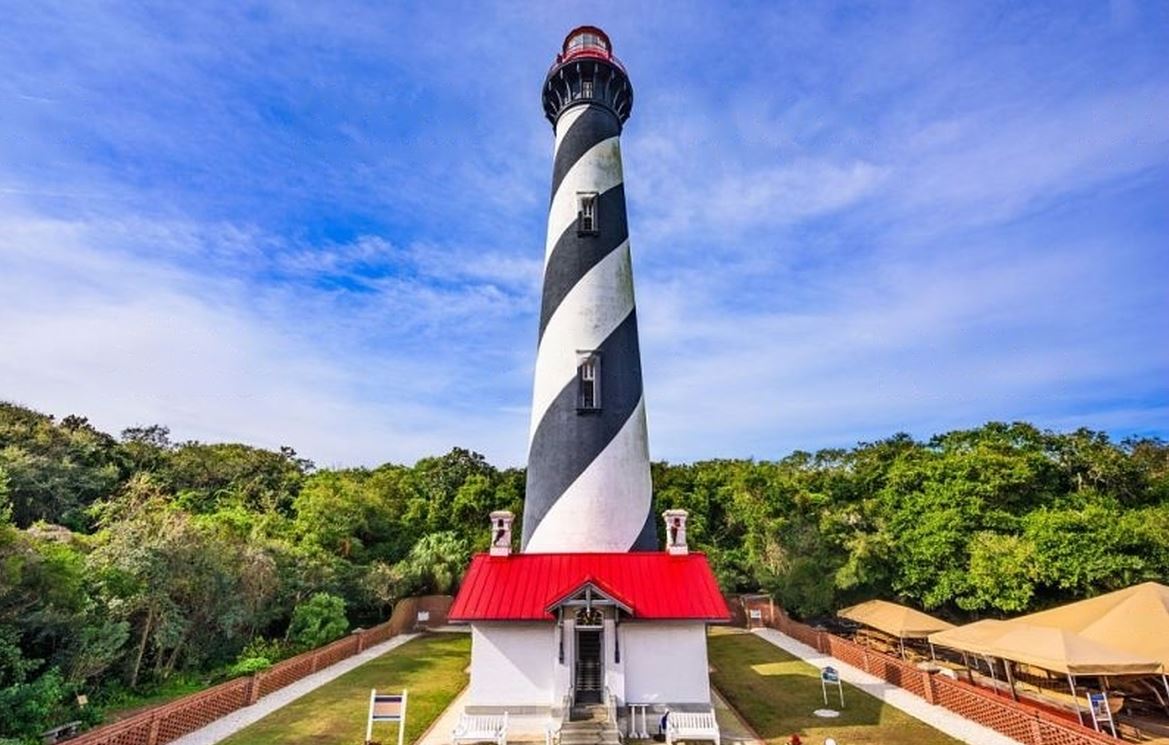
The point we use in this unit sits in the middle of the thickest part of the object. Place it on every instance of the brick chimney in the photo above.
(676, 532)
(501, 532)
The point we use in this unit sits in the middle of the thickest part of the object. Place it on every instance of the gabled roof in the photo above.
(527, 587)
(595, 584)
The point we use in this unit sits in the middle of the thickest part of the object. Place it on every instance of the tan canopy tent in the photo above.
(1064, 651)
(973, 637)
(1134, 620)
(895, 620)
(1058, 650)
(1047, 647)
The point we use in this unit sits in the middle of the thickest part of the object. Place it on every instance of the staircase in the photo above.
(589, 725)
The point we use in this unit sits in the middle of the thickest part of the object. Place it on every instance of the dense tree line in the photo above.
(129, 565)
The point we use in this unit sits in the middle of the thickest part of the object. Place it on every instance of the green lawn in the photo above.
(432, 667)
(776, 693)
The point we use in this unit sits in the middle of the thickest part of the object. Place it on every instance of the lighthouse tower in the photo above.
(592, 612)
(588, 482)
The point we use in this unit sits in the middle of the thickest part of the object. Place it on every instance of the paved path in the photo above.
(935, 716)
(234, 722)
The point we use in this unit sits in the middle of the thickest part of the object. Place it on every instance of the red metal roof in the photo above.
(652, 584)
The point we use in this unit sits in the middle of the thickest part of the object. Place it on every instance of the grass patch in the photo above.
(432, 667)
(776, 693)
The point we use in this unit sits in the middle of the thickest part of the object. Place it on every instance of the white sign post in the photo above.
(829, 675)
(386, 707)
(1098, 705)
(755, 615)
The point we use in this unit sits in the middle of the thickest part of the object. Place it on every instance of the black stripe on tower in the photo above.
(592, 127)
(574, 255)
(552, 464)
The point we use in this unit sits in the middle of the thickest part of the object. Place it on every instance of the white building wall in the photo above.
(614, 671)
(665, 662)
(512, 664)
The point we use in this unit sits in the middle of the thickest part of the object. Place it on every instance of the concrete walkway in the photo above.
(234, 722)
(937, 717)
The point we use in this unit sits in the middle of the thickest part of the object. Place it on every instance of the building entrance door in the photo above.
(589, 678)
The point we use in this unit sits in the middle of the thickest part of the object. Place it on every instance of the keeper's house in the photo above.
(556, 629)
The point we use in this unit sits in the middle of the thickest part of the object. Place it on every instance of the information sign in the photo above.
(1098, 705)
(386, 707)
(831, 676)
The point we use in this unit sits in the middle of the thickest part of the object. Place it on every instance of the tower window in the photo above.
(587, 214)
(586, 88)
(588, 373)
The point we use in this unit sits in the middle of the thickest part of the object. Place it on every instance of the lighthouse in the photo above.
(592, 618)
(588, 478)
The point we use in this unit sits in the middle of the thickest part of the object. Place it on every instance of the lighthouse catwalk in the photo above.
(588, 482)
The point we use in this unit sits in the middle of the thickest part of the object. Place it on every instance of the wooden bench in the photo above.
(480, 728)
(689, 725)
(64, 732)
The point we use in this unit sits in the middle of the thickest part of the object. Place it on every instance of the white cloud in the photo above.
(88, 328)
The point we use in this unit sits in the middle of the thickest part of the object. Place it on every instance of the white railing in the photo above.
(611, 711)
(552, 731)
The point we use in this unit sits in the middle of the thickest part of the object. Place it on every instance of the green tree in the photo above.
(436, 563)
(317, 621)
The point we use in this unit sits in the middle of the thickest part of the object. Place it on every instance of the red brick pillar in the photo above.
(254, 688)
(152, 736)
(1036, 731)
(316, 659)
(360, 641)
(865, 657)
(927, 684)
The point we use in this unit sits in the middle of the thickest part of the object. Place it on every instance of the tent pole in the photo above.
(933, 655)
(1072, 685)
(1010, 678)
(1165, 682)
(902, 640)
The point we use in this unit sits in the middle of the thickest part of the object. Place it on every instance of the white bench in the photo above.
(689, 725)
(480, 728)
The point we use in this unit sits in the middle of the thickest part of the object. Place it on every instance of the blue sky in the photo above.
(321, 224)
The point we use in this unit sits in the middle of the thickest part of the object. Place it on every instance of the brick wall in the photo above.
(168, 722)
(1017, 720)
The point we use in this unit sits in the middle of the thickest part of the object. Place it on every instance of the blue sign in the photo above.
(830, 675)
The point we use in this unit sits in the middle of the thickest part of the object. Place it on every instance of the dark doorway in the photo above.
(589, 671)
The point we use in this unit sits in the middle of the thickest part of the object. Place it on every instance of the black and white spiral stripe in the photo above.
(588, 481)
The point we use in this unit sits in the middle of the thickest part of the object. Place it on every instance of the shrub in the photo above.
(319, 620)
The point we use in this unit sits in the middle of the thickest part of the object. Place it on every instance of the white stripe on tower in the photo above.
(613, 488)
(588, 314)
(588, 481)
(598, 170)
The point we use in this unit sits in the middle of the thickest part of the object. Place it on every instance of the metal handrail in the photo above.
(588, 52)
